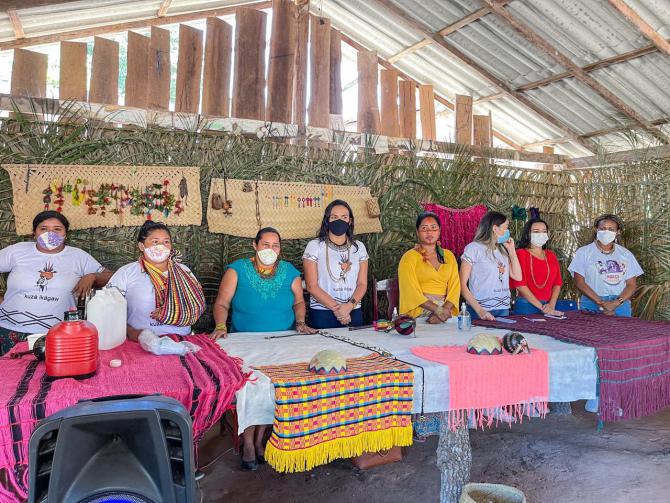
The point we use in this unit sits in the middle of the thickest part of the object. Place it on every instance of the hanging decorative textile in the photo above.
(519, 213)
(458, 225)
(534, 212)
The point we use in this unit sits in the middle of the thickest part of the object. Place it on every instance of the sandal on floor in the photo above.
(249, 465)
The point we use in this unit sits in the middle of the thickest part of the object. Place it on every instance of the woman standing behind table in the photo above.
(604, 271)
(162, 293)
(487, 264)
(428, 275)
(541, 281)
(336, 270)
(46, 277)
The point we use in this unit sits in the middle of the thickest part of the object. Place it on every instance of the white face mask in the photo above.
(267, 256)
(606, 237)
(157, 253)
(539, 238)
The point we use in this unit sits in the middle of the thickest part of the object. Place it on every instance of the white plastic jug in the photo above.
(107, 310)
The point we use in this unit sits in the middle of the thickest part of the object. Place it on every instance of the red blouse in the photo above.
(541, 279)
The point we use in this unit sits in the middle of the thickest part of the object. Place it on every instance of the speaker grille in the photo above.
(117, 497)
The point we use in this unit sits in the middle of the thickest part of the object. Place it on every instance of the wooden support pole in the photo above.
(216, 74)
(427, 112)
(454, 459)
(300, 66)
(104, 87)
(158, 89)
(335, 73)
(29, 73)
(481, 125)
(72, 82)
(407, 108)
(319, 55)
(189, 70)
(390, 122)
(249, 74)
(137, 76)
(282, 59)
(368, 109)
(463, 119)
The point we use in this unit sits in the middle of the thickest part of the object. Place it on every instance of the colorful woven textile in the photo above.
(633, 358)
(458, 225)
(319, 418)
(486, 385)
(205, 382)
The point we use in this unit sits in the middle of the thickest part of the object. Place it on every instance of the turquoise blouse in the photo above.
(262, 305)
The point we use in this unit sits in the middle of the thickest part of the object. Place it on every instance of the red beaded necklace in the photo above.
(532, 273)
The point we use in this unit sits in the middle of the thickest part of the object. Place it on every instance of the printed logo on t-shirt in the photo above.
(501, 271)
(611, 271)
(46, 275)
(345, 265)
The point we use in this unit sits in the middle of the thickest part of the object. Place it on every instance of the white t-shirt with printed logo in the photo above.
(489, 278)
(39, 285)
(136, 286)
(344, 264)
(606, 274)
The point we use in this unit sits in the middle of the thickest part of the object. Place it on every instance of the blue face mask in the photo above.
(502, 239)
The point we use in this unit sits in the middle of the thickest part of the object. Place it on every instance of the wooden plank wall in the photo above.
(427, 112)
(158, 93)
(300, 66)
(104, 86)
(249, 74)
(29, 73)
(407, 108)
(319, 56)
(368, 108)
(481, 125)
(137, 70)
(335, 98)
(390, 124)
(189, 69)
(282, 60)
(463, 119)
(72, 81)
(216, 75)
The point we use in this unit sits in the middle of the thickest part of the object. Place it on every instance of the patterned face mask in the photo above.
(157, 253)
(267, 256)
(50, 240)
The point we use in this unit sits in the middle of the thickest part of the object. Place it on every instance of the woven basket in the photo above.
(491, 493)
(294, 209)
(30, 180)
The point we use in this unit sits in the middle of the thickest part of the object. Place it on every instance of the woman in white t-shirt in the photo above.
(487, 264)
(46, 278)
(162, 293)
(336, 270)
(604, 271)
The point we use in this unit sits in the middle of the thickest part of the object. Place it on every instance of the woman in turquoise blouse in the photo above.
(266, 296)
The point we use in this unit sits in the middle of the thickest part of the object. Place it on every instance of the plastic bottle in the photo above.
(464, 319)
(395, 314)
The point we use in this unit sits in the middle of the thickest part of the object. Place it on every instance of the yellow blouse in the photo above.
(416, 278)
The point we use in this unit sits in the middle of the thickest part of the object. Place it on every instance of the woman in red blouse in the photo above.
(538, 289)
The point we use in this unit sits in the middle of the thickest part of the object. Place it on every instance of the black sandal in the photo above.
(249, 465)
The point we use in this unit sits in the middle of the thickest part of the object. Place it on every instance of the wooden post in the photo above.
(72, 82)
(104, 87)
(454, 459)
(158, 89)
(546, 149)
(29, 73)
(463, 119)
(319, 56)
(189, 69)
(368, 109)
(390, 124)
(300, 65)
(407, 108)
(427, 111)
(282, 59)
(481, 125)
(335, 73)
(138, 70)
(216, 75)
(249, 75)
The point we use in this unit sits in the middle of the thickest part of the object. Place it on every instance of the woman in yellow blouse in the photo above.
(428, 275)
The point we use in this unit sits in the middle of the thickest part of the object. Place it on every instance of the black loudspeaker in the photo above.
(117, 449)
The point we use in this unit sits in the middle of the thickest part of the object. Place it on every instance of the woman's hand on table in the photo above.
(218, 333)
(433, 319)
(610, 306)
(84, 286)
(551, 310)
(342, 313)
(133, 333)
(303, 328)
(485, 315)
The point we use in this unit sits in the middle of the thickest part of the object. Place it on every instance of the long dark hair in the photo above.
(484, 234)
(524, 242)
(148, 227)
(323, 231)
(419, 220)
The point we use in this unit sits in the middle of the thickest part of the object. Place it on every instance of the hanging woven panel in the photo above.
(458, 225)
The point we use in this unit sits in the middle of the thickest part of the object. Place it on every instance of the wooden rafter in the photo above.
(132, 25)
(637, 155)
(504, 86)
(163, 9)
(619, 129)
(17, 26)
(538, 41)
(641, 25)
(409, 50)
(546, 141)
(464, 21)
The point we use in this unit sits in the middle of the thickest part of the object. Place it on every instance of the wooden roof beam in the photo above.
(464, 21)
(504, 86)
(17, 26)
(132, 25)
(163, 9)
(534, 38)
(626, 156)
(409, 50)
(547, 141)
(620, 129)
(641, 25)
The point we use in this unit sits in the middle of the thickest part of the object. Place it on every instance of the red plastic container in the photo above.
(72, 348)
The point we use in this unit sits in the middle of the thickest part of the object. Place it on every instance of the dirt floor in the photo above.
(558, 459)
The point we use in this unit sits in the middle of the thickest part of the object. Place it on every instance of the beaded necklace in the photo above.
(344, 262)
(265, 273)
(532, 273)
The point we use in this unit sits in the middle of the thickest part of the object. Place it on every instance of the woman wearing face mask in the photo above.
(540, 285)
(46, 278)
(336, 270)
(162, 293)
(487, 264)
(604, 271)
(265, 293)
